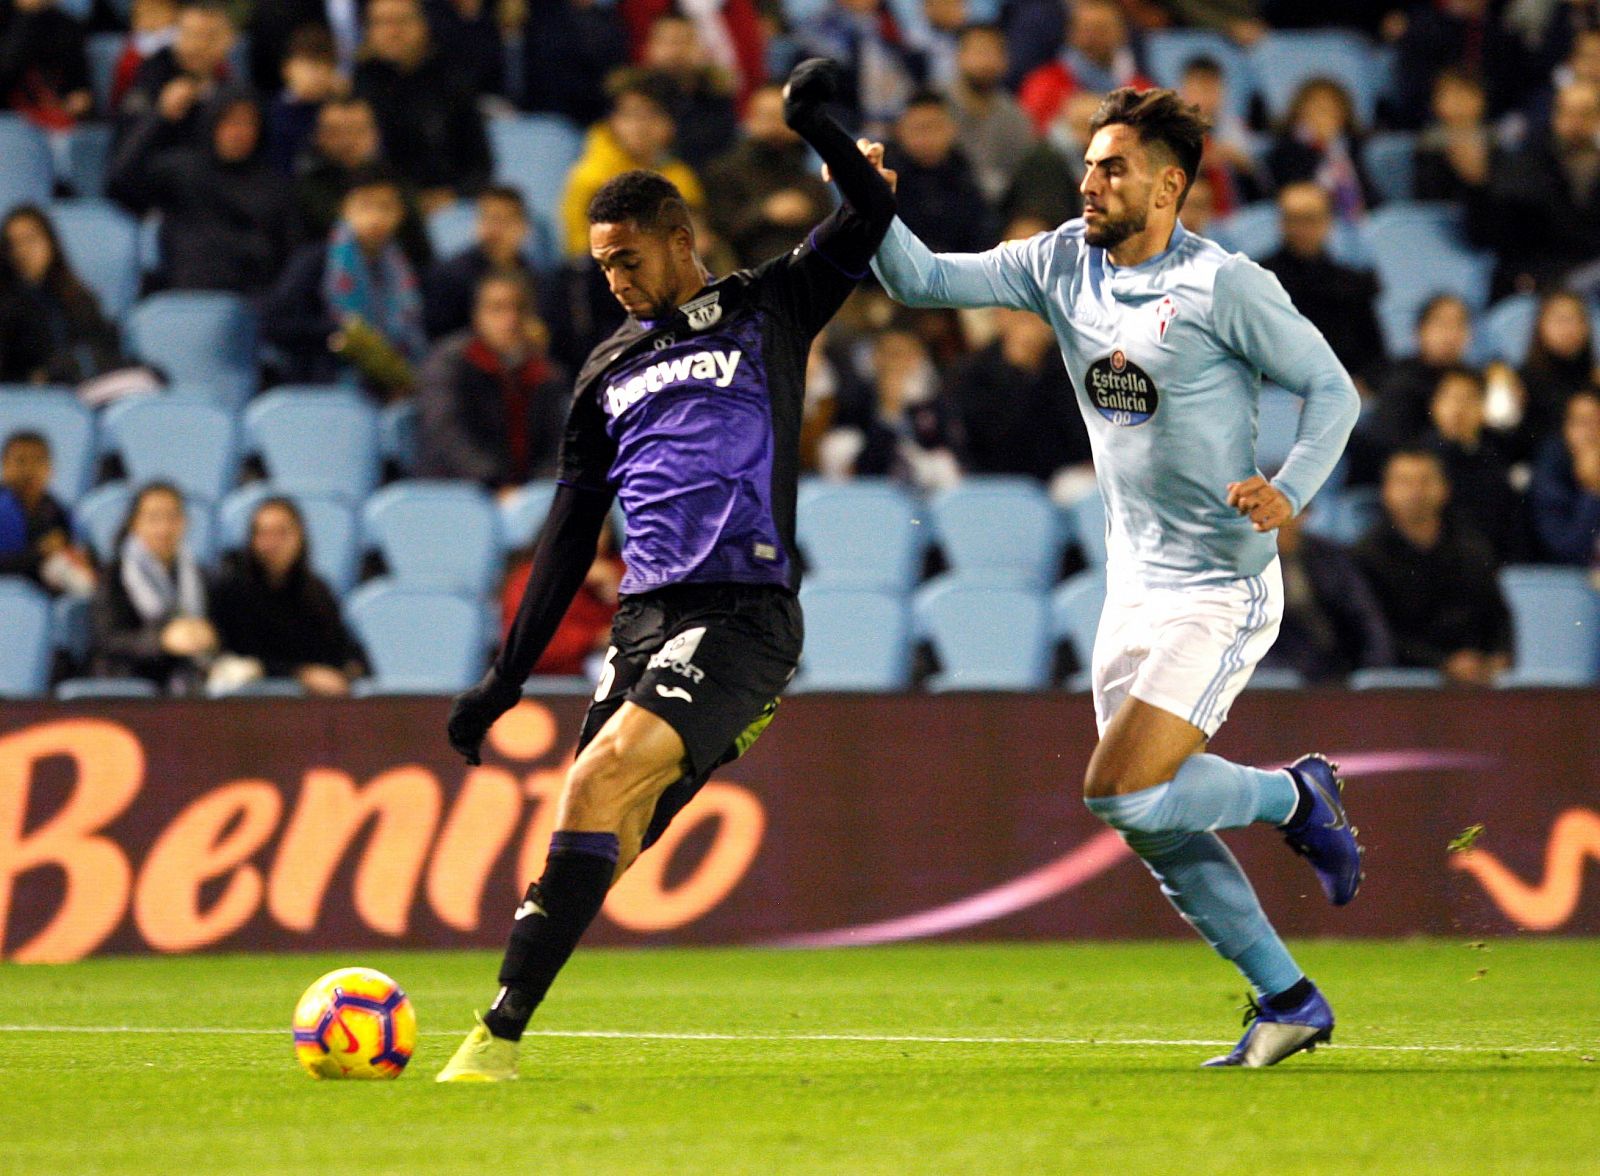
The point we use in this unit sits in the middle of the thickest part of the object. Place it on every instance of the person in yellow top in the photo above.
(638, 133)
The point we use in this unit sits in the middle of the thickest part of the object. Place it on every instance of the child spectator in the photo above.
(638, 133)
(1321, 143)
(491, 406)
(1434, 578)
(433, 133)
(227, 217)
(452, 284)
(351, 306)
(44, 72)
(51, 327)
(1565, 492)
(310, 77)
(35, 529)
(1475, 464)
(269, 606)
(148, 619)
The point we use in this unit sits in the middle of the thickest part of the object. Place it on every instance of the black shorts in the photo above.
(709, 659)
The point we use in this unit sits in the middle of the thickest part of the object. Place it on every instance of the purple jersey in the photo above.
(694, 421)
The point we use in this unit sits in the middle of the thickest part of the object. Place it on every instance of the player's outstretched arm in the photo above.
(560, 562)
(848, 241)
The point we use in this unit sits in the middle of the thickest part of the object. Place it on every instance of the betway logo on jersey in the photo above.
(713, 367)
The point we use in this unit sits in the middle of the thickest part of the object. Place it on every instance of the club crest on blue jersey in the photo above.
(1166, 311)
(1120, 390)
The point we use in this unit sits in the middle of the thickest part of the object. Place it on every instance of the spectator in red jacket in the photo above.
(1098, 56)
(586, 629)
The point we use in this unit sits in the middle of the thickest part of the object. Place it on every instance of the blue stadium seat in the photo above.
(862, 534)
(418, 641)
(1396, 678)
(1343, 516)
(1390, 161)
(99, 516)
(1281, 62)
(102, 244)
(25, 652)
(70, 622)
(206, 338)
(81, 689)
(88, 159)
(987, 636)
(397, 435)
(1088, 523)
(103, 51)
(522, 514)
(1256, 230)
(66, 423)
(260, 688)
(1168, 51)
(316, 440)
(1418, 251)
(1506, 329)
(856, 639)
(1556, 616)
(331, 530)
(193, 445)
(533, 153)
(1277, 419)
(1001, 528)
(1276, 678)
(29, 172)
(1075, 618)
(439, 535)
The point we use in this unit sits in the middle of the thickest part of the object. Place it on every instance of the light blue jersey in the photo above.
(1167, 358)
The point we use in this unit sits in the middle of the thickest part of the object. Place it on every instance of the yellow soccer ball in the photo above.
(354, 1023)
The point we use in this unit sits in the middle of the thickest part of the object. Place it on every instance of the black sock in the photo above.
(1302, 804)
(554, 914)
(1291, 997)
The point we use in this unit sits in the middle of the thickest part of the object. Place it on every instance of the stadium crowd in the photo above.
(306, 156)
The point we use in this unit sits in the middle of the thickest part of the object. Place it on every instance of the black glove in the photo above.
(475, 710)
(812, 83)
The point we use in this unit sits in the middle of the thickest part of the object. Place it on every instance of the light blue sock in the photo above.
(1204, 881)
(1208, 793)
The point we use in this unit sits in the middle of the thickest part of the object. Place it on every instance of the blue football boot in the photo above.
(1324, 836)
(1273, 1036)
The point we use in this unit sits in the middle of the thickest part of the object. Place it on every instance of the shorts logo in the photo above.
(677, 655)
(674, 692)
(705, 311)
(1120, 390)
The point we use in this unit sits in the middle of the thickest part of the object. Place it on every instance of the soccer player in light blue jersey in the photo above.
(1167, 337)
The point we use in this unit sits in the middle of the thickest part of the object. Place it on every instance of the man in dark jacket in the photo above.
(702, 96)
(452, 285)
(179, 81)
(940, 200)
(1540, 210)
(1434, 578)
(1336, 298)
(491, 406)
(433, 134)
(228, 219)
(765, 194)
(568, 49)
(1332, 624)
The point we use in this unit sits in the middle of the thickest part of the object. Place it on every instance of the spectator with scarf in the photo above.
(350, 308)
(491, 405)
(148, 619)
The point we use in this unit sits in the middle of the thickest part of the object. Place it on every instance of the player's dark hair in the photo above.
(508, 194)
(650, 201)
(1161, 119)
(25, 437)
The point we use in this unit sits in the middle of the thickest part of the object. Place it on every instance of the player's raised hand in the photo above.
(1268, 507)
(874, 153)
(475, 711)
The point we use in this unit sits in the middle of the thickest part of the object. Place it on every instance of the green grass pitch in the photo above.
(1449, 1057)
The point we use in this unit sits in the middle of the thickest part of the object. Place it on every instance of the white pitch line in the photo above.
(862, 1038)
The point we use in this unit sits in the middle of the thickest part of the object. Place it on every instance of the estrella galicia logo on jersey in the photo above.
(714, 367)
(1121, 390)
(705, 311)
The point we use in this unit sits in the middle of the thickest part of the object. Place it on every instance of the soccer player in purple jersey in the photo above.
(690, 416)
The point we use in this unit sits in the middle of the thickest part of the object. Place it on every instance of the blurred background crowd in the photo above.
(284, 283)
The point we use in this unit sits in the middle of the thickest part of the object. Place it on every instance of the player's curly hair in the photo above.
(650, 201)
(1161, 118)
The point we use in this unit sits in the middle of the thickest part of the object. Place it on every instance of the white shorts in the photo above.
(1188, 651)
